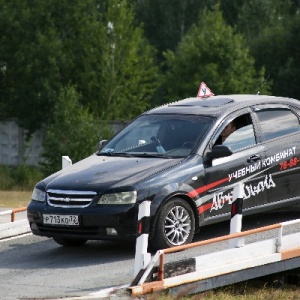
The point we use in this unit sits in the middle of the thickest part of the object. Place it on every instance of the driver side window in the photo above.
(238, 133)
(241, 138)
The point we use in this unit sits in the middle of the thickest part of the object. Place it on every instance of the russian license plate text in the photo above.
(69, 220)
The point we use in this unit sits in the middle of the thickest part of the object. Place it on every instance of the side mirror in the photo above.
(102, 144)
(219, 151)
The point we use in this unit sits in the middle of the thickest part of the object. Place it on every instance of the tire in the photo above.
(69, 242)
(175, 225)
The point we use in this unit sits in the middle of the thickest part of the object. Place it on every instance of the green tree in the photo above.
(230, 9)
(46, 45)
(73, 132)
(211, 52)
(130, 71)
(288, 75)
(271, 29)
(167, 21)
(100, 49)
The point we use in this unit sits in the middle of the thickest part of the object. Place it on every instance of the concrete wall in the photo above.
(15, 150)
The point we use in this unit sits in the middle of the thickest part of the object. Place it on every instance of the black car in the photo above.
(173, 156)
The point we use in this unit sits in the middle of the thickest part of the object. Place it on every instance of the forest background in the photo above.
(70, 67)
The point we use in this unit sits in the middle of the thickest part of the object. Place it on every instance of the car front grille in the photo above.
(59, 198)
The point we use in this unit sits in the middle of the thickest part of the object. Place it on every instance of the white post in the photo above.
(66, 161)
(237, 215)
(142, 258)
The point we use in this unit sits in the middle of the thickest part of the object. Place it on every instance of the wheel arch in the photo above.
(168, 199)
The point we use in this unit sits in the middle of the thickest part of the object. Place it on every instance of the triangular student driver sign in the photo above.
(204, 91)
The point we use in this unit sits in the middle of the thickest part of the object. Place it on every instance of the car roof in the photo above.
(215, 105)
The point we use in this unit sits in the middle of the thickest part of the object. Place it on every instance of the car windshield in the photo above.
(165, 136)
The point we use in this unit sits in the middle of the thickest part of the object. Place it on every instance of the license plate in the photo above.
(63, 220)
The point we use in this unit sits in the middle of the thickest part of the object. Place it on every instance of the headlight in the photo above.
(38, 195)
(118, 198)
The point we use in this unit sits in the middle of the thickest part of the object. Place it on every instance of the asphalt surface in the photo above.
(33, 267)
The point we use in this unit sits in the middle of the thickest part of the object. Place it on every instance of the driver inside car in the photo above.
(227, 131)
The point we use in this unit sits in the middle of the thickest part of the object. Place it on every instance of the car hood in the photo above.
(101, 173)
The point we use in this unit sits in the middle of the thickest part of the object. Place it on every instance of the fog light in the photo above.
(111, 231)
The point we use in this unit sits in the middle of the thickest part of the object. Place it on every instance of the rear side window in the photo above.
(277, 122)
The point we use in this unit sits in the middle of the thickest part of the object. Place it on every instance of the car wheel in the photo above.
(69, 242)
(175, 225)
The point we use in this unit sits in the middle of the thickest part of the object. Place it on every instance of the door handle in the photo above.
(253, 158)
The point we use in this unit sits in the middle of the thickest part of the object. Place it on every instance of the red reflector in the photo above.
(233, 209)
(140, 227)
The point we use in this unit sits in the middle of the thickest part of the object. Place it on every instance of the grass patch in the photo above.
(249, 290)
(20, 178)
(14, 199)
(16, 185)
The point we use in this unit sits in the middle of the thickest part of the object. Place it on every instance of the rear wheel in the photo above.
(175, 225)
(69, 242)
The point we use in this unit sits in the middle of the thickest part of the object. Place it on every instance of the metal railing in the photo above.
(12, 212)
(159, 257)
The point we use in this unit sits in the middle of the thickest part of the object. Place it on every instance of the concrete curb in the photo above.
(14, 228)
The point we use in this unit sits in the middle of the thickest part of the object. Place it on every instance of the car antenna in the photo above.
(262, 85)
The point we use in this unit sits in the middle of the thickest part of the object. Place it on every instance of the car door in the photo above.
(244, 165)
(280, 129)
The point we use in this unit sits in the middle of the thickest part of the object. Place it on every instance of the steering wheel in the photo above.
(159, 147)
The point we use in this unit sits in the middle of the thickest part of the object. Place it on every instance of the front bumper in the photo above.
(98, 222)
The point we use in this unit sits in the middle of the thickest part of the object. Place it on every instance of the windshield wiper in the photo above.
(160, 155)
(134, 154)
(125, 154)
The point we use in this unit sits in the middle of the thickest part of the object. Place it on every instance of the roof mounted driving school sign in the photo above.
(204, 91)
